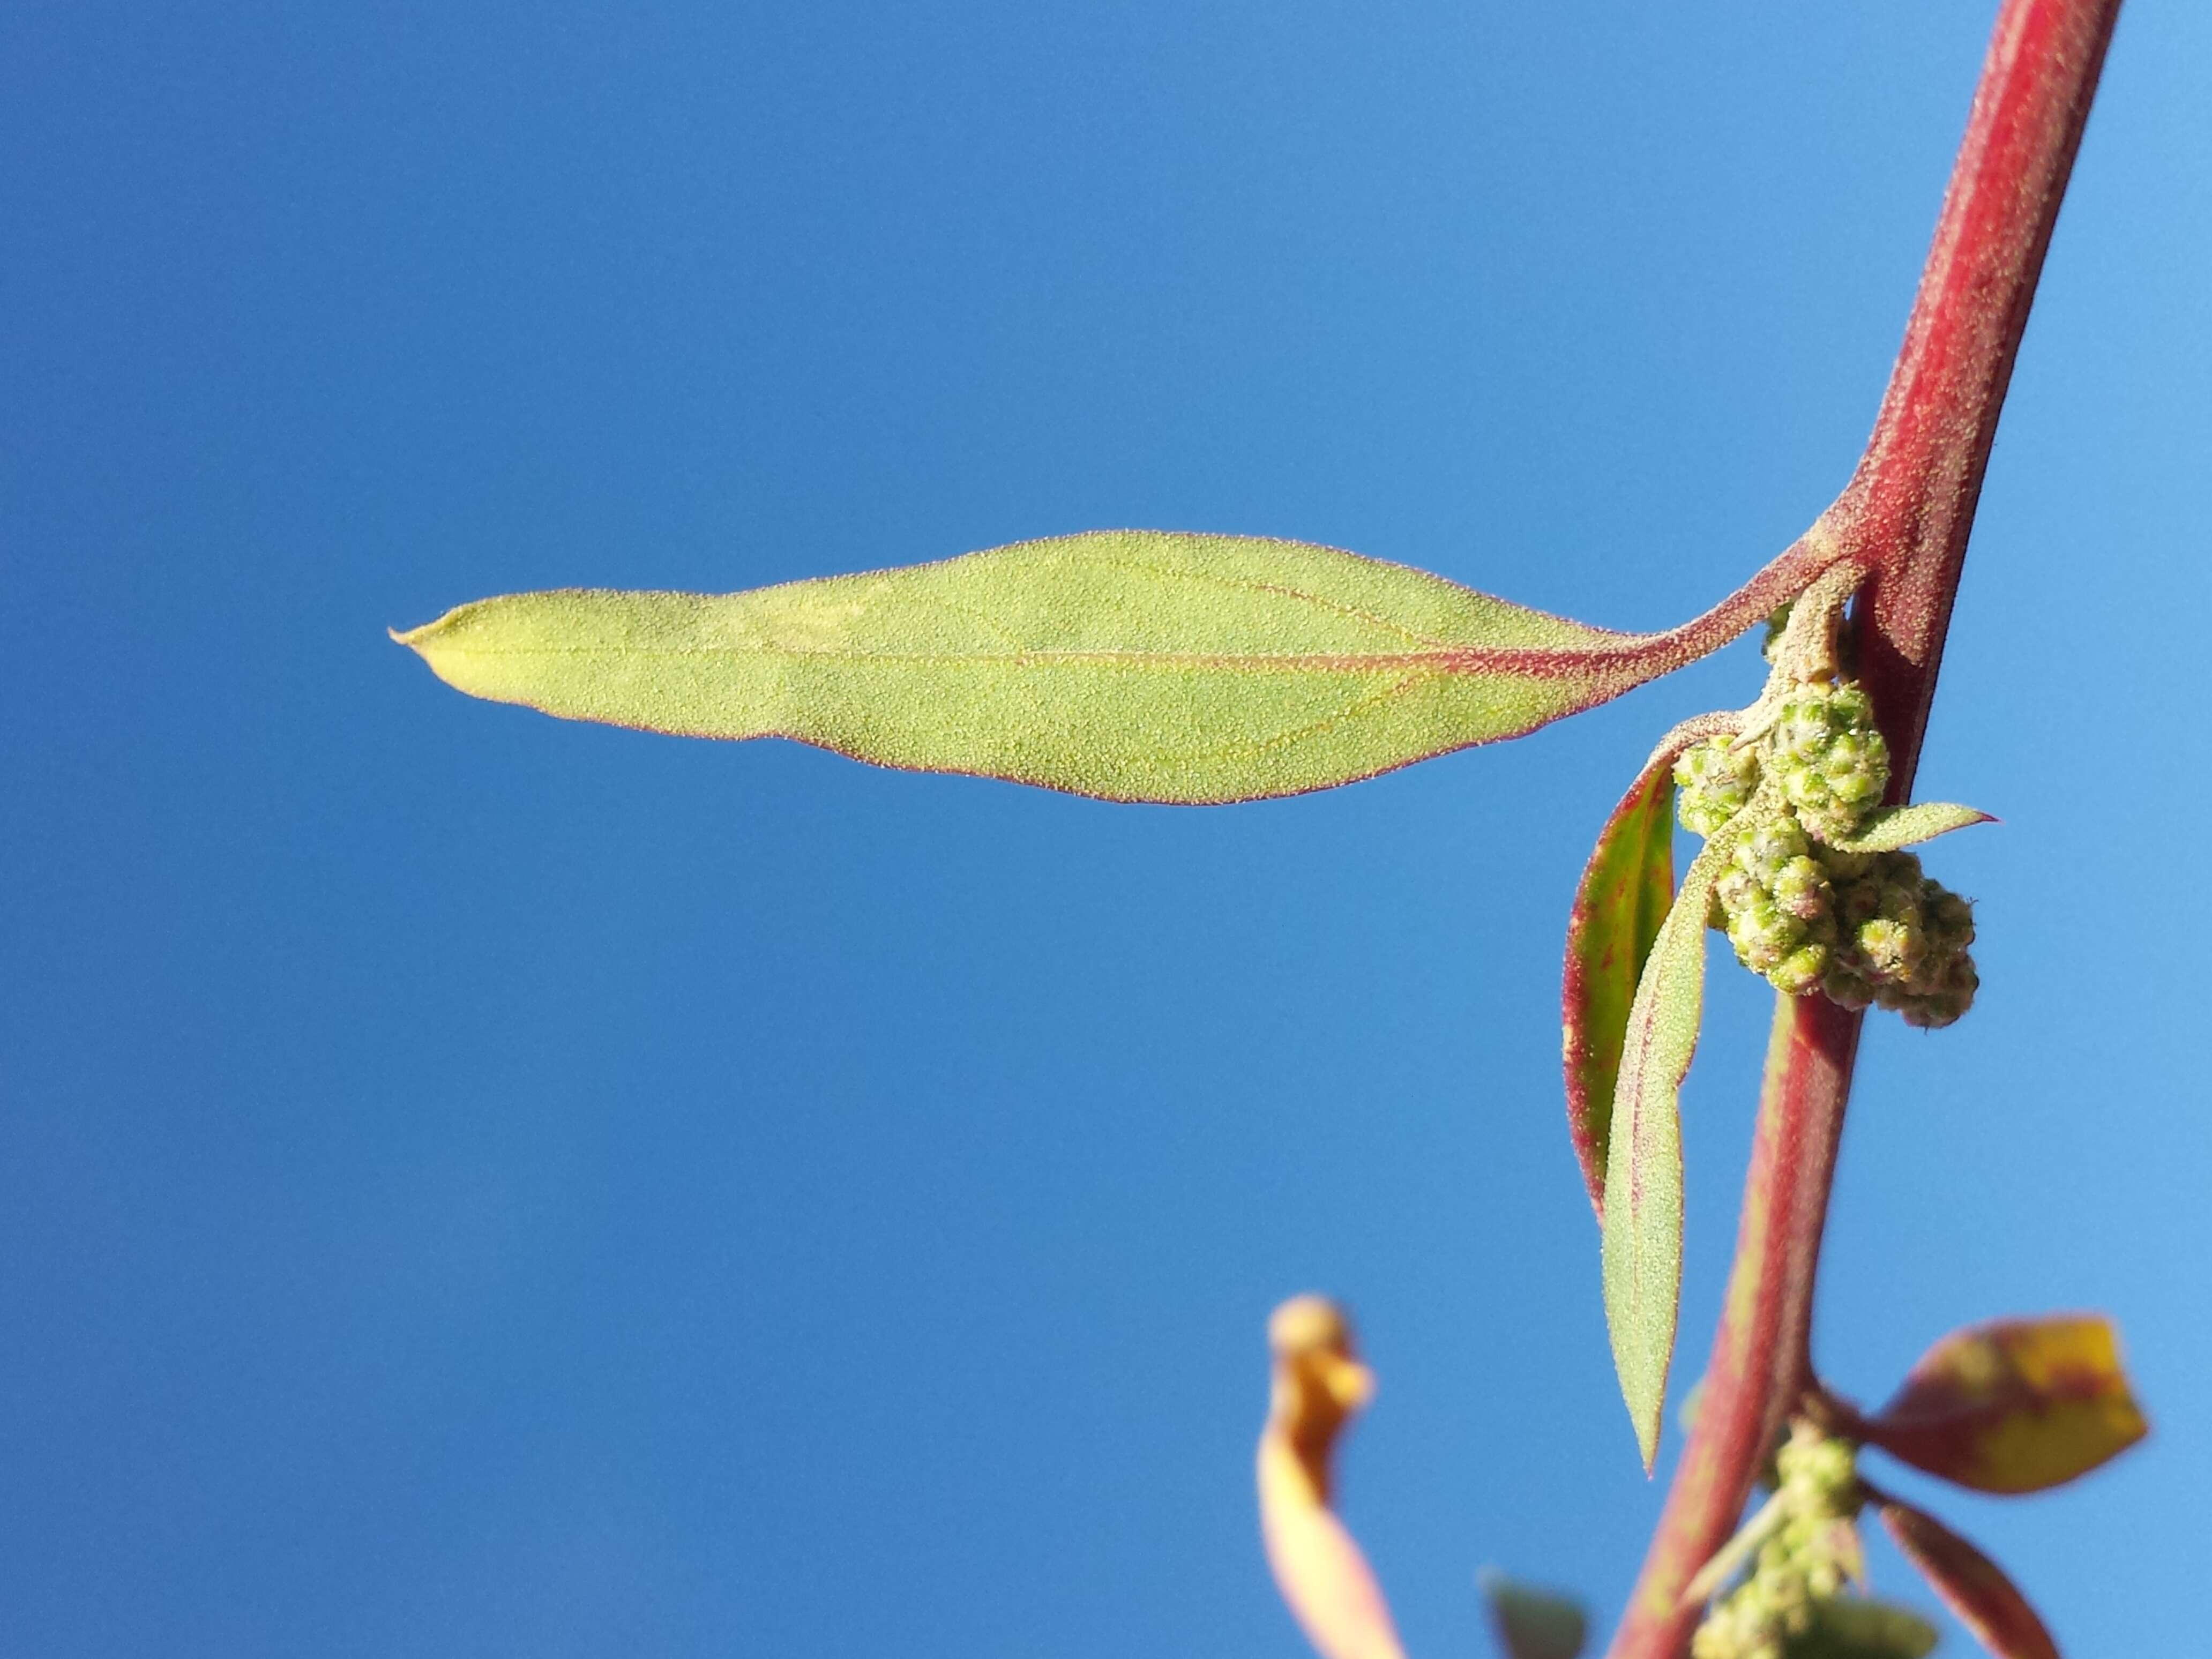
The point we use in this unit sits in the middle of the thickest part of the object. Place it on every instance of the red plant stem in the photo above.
(1905, 515)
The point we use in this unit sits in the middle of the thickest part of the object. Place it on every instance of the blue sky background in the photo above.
(472, 1185)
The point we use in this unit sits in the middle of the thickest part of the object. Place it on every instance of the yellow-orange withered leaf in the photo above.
(2015, 1405)
(1318, 1385)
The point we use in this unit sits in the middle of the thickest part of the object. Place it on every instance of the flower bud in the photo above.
(1802, 889)
(1762, 851)
(1802, 730)
(1735, 890)
(1763, 936)
(1949, 918)
(1890, 946)
(1845, 987)
(1943, 1005)
(1715, 781)
(1800, 971)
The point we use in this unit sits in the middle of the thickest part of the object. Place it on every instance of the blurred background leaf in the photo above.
(1532, 1622)
(1985, 1601)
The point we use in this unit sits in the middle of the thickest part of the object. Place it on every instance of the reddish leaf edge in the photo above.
(1980, 1594)
(1614, 671)
(1589, 1056)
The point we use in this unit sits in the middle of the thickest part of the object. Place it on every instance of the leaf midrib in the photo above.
(1535, 663)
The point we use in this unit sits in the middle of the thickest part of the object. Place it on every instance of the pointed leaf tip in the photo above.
(1531, 1623)
(1641, 1244)
(1324, 1579)
(1976, 1589)
(1130, 664)
(2014, 1405)
(1898, 827)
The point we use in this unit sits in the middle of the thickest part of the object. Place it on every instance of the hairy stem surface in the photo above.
(1906, 515)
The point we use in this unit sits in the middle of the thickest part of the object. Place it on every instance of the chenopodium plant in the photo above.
(1152, 665)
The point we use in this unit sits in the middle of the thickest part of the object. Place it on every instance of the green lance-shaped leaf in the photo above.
(1643, 1224)
(1899, 827)
(2014, 1405)
(1531, 1623)
(1985, 1601)
(1131, 665)
(1618, 906)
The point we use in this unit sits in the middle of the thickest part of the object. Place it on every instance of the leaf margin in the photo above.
(1616, 662)
(1640, 1246)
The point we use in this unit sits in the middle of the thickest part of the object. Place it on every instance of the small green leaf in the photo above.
(1532, 1622)
(1975, 1589)
(2014, 1405)
(1132, 665)
(1642, 1248)
(1852, 1627)
(1907, 826)
(1618, 910)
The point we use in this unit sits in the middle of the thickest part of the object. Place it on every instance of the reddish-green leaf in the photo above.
(1642, 1247)
(1972, 1586)
(1618, 910)
(1133, 664)
(2015, 1405)
(1531, 1623)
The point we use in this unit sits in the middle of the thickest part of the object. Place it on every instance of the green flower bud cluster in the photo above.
(1776, 905)
(1830, 762)
(1902, 939)
(1867, 928)
(1805, 1559)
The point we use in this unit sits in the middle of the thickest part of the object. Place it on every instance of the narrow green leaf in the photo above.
(1908, 826)
(1618, 908)
(1532, 1622)
(1643, 1230)
(1975, 1589)
(1132, 665)
(1773, 1515)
